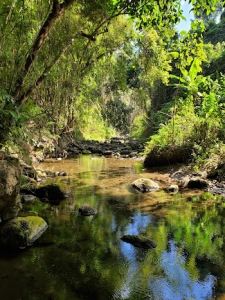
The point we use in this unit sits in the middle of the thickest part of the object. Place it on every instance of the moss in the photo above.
(35, 221)
(22, 231)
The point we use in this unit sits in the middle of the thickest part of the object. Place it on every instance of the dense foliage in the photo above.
(102, 68)
(194, 116)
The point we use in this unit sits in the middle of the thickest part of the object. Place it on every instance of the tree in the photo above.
(35, 38)
(214, 33)
(42, 43)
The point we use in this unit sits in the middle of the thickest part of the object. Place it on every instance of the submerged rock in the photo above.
(145, 185)
(139, 241)
(22, 231)
(87, 210)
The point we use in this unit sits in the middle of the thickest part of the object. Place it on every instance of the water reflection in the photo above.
(137, 225)
(84, 257)
(177, 283)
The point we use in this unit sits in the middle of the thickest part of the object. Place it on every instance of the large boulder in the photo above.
(9, 187)
(145, 185)
(22, 231)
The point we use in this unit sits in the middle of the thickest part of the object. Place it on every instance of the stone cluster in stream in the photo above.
(115, 147)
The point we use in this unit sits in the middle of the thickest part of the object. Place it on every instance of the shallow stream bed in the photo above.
(81, 257)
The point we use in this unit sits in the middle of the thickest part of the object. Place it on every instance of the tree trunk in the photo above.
(57, 10)
(69, 126)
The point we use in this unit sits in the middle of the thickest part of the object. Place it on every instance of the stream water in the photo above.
(82, 257)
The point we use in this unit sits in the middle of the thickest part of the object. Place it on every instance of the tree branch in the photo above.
(41, 79)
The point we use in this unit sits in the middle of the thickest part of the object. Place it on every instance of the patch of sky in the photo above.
(138, 223)
(188, 14)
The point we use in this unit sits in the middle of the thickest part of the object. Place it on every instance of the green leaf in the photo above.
(184, 72)
(194, 69)
(174, 54)
(178, 78)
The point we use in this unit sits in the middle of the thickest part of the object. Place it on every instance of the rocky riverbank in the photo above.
(173, 163)
(114, 147)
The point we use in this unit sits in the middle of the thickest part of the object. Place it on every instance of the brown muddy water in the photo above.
(84, 257)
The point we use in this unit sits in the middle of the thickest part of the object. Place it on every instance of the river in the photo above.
(82, 257)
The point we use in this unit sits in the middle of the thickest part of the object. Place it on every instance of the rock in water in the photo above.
(22, 231)
(145, 185)
(139, 241)
(173, 188)
(197, 183)
(52, 192)
(87, 210)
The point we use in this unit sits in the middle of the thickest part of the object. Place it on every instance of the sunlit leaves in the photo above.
(208, 6)
(160, 13)
(189, 47)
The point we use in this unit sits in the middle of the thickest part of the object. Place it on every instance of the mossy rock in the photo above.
(22, 231)
(139, 241)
